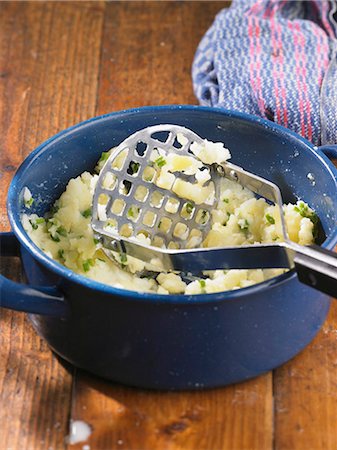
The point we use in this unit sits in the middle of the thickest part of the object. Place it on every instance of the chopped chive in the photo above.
(134, 166)
(28, 203)
(123, 258)
(87, 264)
(40, 220)
(270, 219)
(54, 209)
(203, 217)
(303, 209)
(104, 157)
(61, 231)
(202, 283)
(160, 161)
(55, 238)
(33, 224)
(189, 207)
(225, 200)
(61, 253)
(96, 241)
(87, 213)
(132, 212)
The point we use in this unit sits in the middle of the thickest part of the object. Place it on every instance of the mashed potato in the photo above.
(65, 234)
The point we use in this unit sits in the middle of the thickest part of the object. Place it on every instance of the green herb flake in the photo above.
(123, 258)
(55, 238)
(87, 213)
(303, 209)
(225, 200)
(61, 231)
(270, 219)
(203, 217)
(202, 283)
(130, 213)
(28, 203)
(40, 220)
(104, 157)
(134, 166)
(160, 161)
(54, 209)
(33, 224)
(87, 264)
(61, 254)
(189, 208)
(96, 241)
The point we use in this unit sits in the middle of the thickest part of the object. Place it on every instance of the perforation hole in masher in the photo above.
(181, 231)
(149, 174)
(149, 219)
(109, 181)
(118, 206)
(202, 217)
(172, 205)
(111, 225)
(125, 187)
(173, 245)
(133, 212)
(161, 136)
(156, 199)
(176, 144)
(164, 225)
(141, 148)
(126, 230)
(158, 241)
(119, 161)
(187, 211)
(133, 168)
(143, 233)
(141, 193)
(103, 199)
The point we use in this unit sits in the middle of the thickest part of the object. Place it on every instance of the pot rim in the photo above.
(194, 299)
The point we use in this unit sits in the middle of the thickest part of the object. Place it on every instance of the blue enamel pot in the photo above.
(176, 341)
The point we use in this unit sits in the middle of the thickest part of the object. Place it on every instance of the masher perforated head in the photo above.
(148, 214)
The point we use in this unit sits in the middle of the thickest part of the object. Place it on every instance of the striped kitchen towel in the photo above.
(269, 58)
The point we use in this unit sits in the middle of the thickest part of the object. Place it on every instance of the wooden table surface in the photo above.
(61, 63)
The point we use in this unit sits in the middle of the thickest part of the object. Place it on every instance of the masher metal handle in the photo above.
(316, 267)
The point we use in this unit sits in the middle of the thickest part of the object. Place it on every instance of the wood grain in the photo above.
(49, 61)
(306, 394)
(63, 62)
(235, 417)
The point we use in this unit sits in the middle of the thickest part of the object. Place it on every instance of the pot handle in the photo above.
(31, 299)
(329, 150)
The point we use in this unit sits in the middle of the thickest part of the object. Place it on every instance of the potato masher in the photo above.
(133, 215)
